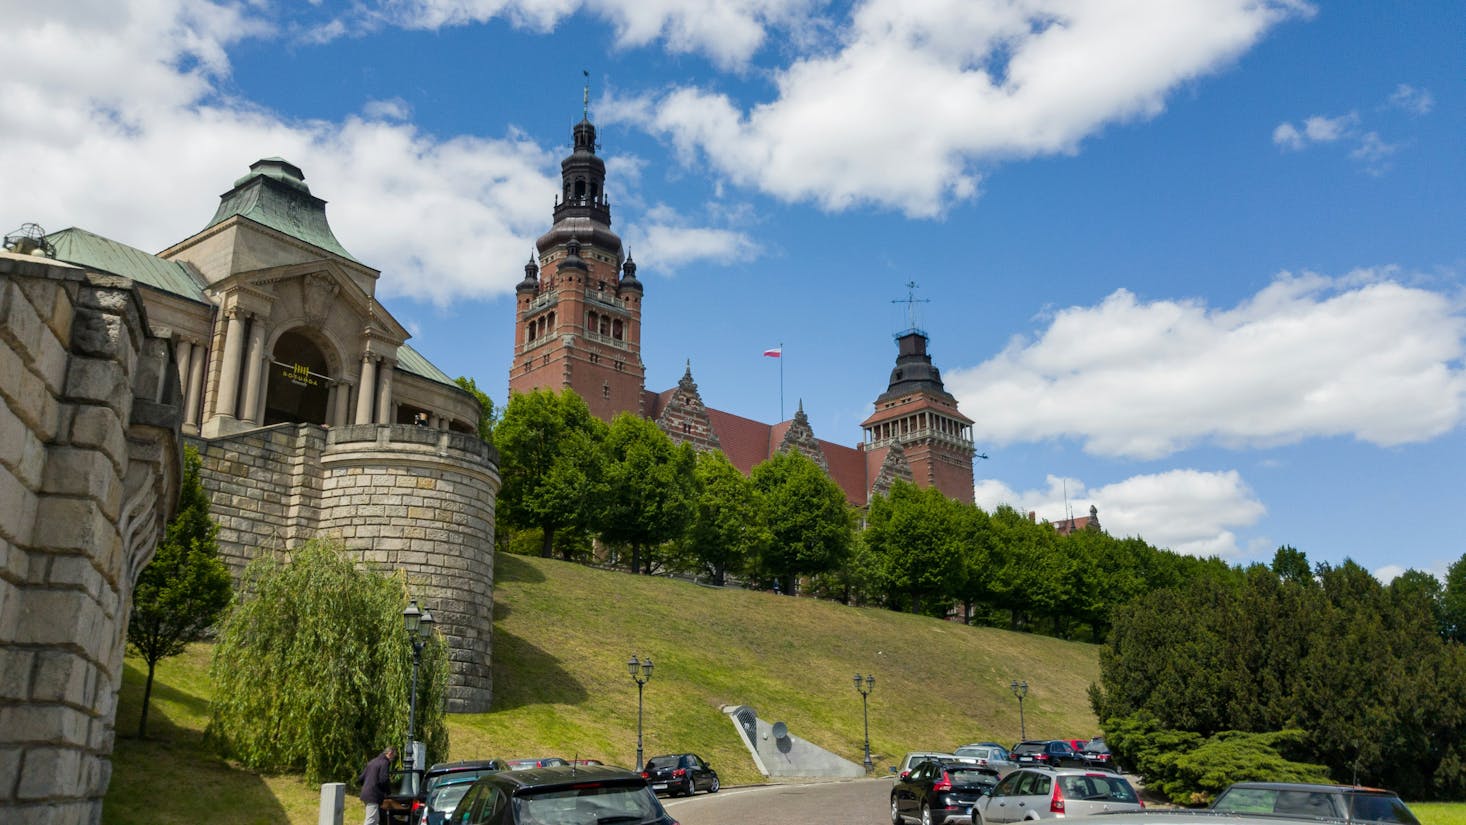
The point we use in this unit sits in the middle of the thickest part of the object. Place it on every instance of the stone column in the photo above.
(254, 369)
(229, 370)
(195, 385)
(183, 353)
(384, 394)
(364, 389)
(342, 409)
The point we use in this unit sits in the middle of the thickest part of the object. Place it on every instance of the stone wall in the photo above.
(397, 497)
(89, 471)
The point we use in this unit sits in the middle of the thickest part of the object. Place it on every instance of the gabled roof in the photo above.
(83, 248)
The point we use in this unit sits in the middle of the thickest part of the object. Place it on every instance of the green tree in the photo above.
(1291, 564)
(184, 589)
(1453, 601)
(550, 463)
(647, 495)
(487, 415)
(727, 530)
(811, 526)
(914, 533)
(312, 669)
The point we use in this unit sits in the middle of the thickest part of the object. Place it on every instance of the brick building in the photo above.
(578, 325)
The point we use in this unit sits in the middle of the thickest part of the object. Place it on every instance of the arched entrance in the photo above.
(299, 386)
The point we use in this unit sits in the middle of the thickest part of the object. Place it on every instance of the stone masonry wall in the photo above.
(423, 500)
(89, 471)
(397, 497)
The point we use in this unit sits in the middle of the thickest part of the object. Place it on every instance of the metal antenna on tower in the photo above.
(913, 323)
(585, 98)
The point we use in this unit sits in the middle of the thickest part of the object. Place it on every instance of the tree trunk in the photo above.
(636, 558)
(142, 724)
(547, 542)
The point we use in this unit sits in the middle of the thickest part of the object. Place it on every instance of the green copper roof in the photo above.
(274, 194)
(80, 247)
(410, 360)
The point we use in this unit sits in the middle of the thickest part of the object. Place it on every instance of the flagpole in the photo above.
(781, 380)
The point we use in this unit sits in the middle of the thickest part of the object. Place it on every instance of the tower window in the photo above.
(616, 329)
(605, 389)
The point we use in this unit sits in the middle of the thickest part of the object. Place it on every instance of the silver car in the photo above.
(987, 756)
(1044, 793)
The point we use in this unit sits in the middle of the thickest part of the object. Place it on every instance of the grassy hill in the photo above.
(562, 635)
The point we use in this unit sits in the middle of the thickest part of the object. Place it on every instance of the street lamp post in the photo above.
(419, 626)
(864, 685)
(1020, 689)
(641, 672)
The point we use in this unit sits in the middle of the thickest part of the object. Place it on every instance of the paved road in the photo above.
(852, 802)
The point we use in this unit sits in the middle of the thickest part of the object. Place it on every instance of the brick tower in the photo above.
(916, 415)
(578, 322)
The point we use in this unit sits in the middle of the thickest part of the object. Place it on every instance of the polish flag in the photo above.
(776, 352)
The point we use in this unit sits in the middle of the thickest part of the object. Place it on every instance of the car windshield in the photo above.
(971, 779)
(1096, 747)
(979, 753)
(1098, 787)
(1029, 747)
(598, 805)
(662, 762)
(445, 797)
(1380, 808)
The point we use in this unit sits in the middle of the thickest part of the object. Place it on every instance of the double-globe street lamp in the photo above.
(641, 672)
(1020, 689)
(864, 684)
(419, 626)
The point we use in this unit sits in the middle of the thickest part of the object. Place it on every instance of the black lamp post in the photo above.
(1020, 689)
(419, 627)
(864, 685)
(641, 672)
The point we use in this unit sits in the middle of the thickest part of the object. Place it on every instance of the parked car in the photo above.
(936, 792)
(680, 773)
(561, 794)
(534, 762)
(444, 784)
(1097, 755)
(1077, 744)
(1055, 753)
(1350, 803)
(914, 758)
(1044, 793)
(987, 756)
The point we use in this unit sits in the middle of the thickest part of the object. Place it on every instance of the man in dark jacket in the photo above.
(376, 783)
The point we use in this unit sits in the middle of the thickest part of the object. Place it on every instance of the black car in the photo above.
(561, 794)
(444, 784)
(1052, 753)
(680, 773)
(937, 791)
(1097, 755)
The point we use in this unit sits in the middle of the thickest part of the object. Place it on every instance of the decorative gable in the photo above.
(895, 467)
(684, 418)
(800, 438)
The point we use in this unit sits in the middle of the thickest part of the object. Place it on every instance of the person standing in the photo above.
(376, 783)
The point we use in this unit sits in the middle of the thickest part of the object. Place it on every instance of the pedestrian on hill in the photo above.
(376, 783)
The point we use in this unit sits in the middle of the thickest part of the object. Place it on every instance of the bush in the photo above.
(312, 670)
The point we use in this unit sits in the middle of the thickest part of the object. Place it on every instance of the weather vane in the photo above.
(912, 323)
(585, 100)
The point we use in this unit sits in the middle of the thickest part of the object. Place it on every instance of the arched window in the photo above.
(580, 189)
(616, 329)
(590, 321)
(605, 325)
(299, 385)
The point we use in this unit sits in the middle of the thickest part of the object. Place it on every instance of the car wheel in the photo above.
(691, 786)
(976, 816)
(895, 812)
(713, 788)
(926, 814)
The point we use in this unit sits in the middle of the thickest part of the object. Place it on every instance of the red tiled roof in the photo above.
(745, 441)
(847, 468)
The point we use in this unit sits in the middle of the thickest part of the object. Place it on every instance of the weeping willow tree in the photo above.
(312, 670)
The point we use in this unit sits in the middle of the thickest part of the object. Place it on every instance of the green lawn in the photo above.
(562, 635)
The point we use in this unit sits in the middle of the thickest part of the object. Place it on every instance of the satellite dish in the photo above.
(781, 730)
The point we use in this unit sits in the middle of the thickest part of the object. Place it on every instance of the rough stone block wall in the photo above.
(422, 500)
(398, 497)
(89, 464)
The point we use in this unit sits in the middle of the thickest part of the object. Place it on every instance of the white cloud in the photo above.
(116, 110)
(1316, 129)
(393, 109)
(728, 32)
(1187, 511)
(916, 94)
(1412, 100)
(1363, 356)
(1374, 153)
(665, 237)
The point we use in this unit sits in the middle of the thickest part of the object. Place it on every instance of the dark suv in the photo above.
(680, 773)
(1051, 753)
(565, 793)
(1347, 802)
(937, 791)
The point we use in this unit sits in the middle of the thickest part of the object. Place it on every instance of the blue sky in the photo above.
(1199, 264)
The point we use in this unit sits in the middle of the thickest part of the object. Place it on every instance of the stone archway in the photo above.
(300, 385)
